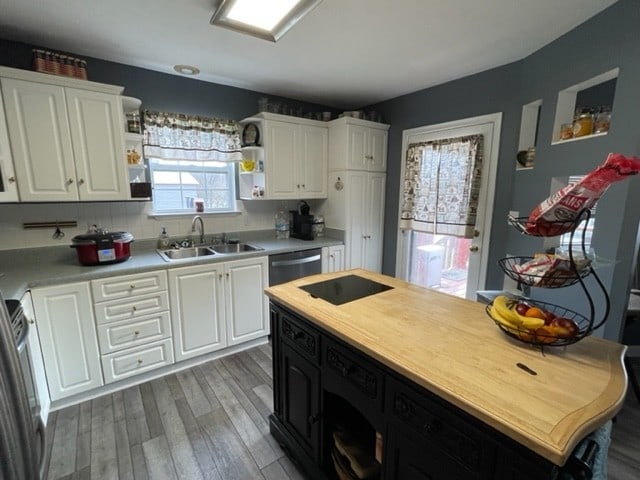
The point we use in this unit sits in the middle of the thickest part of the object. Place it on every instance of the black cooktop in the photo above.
(345, 289)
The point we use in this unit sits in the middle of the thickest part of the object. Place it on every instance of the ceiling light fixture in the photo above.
(266, 19)
(186, 69)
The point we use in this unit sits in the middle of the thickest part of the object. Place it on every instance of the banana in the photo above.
(530, 323)
(505, 322)
(502, 308)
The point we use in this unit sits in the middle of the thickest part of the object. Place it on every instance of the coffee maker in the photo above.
(302, 222)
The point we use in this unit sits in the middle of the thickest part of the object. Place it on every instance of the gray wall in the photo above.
(608, 40)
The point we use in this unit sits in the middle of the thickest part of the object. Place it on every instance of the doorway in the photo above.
(451, 263)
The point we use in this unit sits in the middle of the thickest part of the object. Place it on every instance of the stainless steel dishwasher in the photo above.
(285, 267)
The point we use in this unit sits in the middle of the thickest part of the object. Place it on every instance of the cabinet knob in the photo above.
(81, 181)
(227, 274)
(11, 179)
(136, 333)
(70, 181)
(132, 286)
(139, 361)
(474, 248)
(304, 186)
(313, 419)
(134, 308)
(220, 276)
(298, 186)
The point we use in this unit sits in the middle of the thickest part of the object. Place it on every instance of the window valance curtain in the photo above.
(174, 136)
(441, 186)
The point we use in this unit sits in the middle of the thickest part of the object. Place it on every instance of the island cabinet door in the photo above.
(300, 393)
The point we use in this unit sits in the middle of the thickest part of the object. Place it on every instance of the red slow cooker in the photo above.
(100, 247)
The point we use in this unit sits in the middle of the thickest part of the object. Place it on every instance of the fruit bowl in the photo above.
(552, 334)
(557, 277)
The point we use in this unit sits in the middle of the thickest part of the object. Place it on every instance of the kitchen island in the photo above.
(441, 387)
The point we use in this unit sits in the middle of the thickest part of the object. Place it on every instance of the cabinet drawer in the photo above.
(114, 336)
(131, 307)
(302, 337)
(354, 378)
(126, 286)
(440, 427)
(134, 361)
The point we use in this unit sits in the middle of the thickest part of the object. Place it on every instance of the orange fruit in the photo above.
(536, 312)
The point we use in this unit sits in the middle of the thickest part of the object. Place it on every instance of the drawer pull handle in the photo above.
(136, 333)
(346, 371)
(313, 419)
(298, 335)
(11, 179)
(139, 361)
(135, 308)
(430, 428)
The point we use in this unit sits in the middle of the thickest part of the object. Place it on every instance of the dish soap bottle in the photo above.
(163, 239)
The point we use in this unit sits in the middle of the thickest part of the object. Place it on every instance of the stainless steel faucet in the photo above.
(198, 219)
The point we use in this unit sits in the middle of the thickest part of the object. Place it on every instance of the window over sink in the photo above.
(178, 183)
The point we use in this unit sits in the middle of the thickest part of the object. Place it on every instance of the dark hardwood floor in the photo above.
(210, 422)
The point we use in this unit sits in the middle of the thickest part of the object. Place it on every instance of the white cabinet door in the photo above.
(8, 185)
(66, 326)
(377, 150)
(197, 310)
(98, 144)
(35, 356)
(333, 259)
(365, 201)
(372, 257)
(358, 137)
(40, 141)
(281, 160)
(246, 305)
(314, 144)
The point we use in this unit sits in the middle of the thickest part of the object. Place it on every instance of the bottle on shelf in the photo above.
(163, 239)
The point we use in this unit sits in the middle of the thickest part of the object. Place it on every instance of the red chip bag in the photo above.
(556, 214)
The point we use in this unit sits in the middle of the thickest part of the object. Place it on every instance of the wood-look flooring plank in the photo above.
(265, 362)
(254, 367)
(252, 435)
(291, 470)
(63, 453)
(82, 474)
(265, 393)
(184, 460)
(193, 393)
(243, 376)
(137, 428)
(83, 443)
(174, 386)
(232, 458)
(118, 406)
(266, 349)
(138, 462)
(274, 471)
(125, 464)
(104, 463)
(154, 422)
(158, 459)
(49, 439)
(198, 441)
(204, 385)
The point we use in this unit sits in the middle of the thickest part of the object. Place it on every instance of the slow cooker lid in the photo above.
(94, 238)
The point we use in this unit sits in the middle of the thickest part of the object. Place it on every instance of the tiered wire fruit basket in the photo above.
(574, 271)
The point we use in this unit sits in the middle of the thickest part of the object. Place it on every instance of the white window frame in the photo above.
(190, 166)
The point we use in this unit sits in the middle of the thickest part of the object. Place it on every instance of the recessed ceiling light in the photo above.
(266, 19)
(186, 69)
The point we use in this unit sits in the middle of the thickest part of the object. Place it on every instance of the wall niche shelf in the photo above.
(570, 98)
(528, 135)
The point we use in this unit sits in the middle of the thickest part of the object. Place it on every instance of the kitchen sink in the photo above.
(235, 248)
(181, 253)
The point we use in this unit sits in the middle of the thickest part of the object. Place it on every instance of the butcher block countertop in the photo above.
(452, 348)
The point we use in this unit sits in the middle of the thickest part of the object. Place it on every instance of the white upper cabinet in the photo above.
(67, 142)
(358, 145)
(8, 186)
(295, 159)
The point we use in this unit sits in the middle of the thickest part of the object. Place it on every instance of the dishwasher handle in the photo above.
(297, 261)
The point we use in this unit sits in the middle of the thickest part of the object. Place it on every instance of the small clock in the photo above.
(250, 135)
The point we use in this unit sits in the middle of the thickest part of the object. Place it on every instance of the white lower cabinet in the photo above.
(197, 310)
(134, 329)
(137, 360)
(218, 305)
(333, 259)
(67, 330)
(246, 305)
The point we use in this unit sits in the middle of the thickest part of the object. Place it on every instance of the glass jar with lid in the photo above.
(583, 123)
(602, 120)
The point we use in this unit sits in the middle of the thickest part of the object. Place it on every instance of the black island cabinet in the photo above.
(325, 390)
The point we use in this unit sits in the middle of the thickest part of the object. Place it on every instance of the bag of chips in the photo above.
(556, 215)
